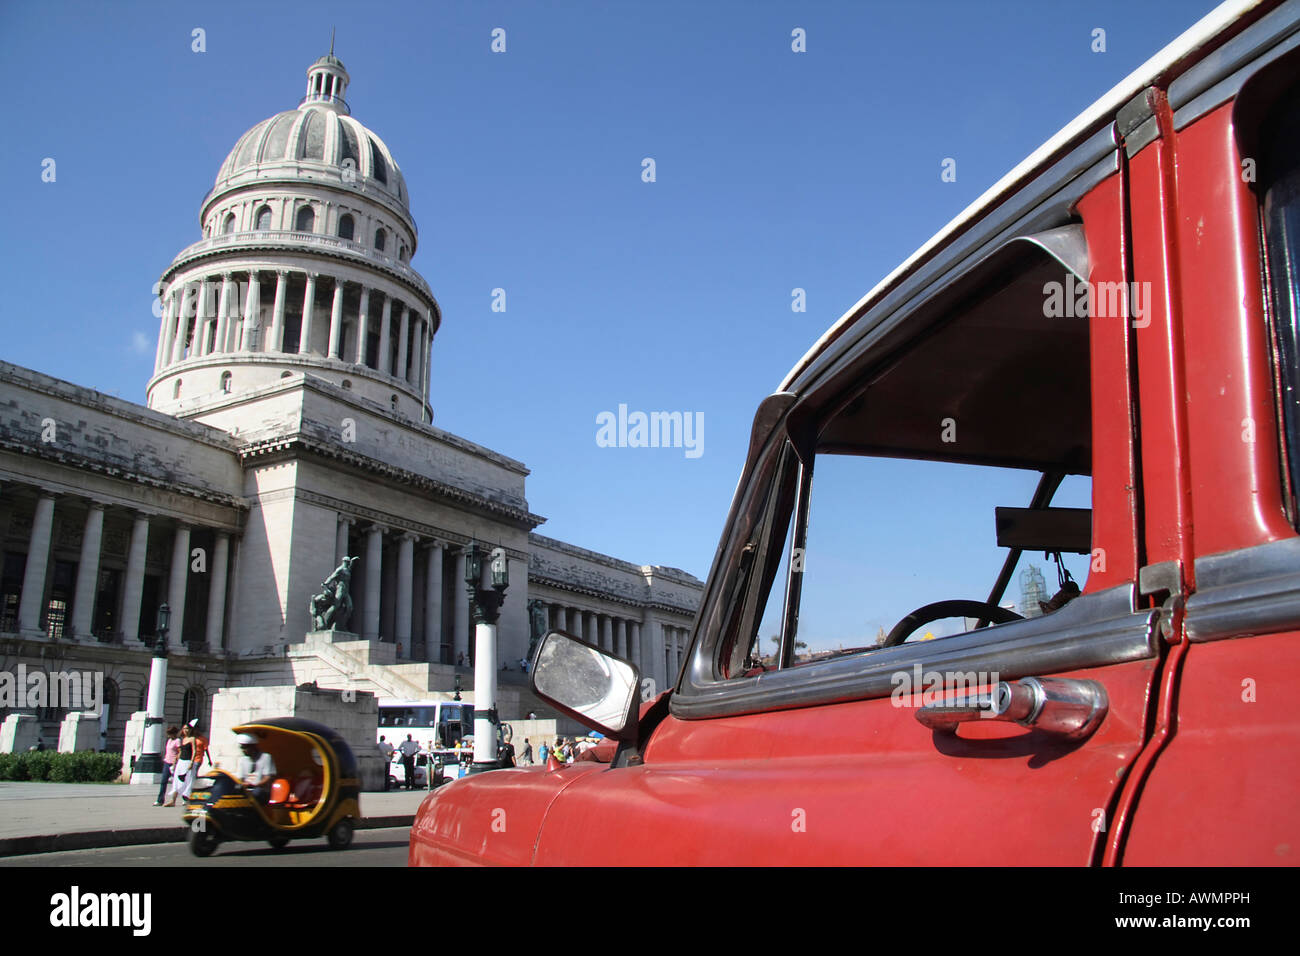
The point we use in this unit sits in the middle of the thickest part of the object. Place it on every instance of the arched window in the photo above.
(176, 389)
(225, 382)
(381, 238)
(228, 226)
(193, 704)
(347, 383)
(306, 220)
(263, 218)
(346, 227)
(285, 374)
(393, 401)
(402, 254)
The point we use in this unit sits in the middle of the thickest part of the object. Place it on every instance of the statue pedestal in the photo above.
(335, 637)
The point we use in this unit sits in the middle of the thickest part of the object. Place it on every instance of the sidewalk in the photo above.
(44, 817)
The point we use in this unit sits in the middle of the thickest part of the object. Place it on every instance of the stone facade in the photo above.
(288, 424)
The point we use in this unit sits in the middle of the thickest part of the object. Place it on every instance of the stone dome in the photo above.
(311, 142)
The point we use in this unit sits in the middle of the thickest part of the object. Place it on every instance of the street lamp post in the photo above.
(486, 605)
(149, 768)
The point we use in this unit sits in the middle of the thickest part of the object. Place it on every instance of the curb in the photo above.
(143, 836)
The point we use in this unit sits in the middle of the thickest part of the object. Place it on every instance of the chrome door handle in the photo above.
(1056, 705)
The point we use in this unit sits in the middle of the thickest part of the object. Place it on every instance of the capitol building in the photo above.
(287, 424)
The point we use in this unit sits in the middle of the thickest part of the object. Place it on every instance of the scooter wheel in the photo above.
(340, 836)
(278, 843)
(202, 844)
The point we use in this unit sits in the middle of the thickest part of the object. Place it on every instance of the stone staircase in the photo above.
(344, 661)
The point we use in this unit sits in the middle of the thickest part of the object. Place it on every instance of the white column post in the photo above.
(133, 587)
(83, 599)
(308, 306)
(277, 311)
(635, 647)
(177, 344)
(374, 565)
(217, 591)
(606, 633)
(405, 591)
(336, 319)
(223, 314)
(180, 572)
(169, 308)
(38, 559)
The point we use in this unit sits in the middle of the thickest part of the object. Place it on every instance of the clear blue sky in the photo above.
(775, 170)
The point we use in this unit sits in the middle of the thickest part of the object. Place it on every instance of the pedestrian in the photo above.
(170, 749)
(460, 659)
(386, 749)
(200, 746)
(409, 749)
(506, 754)
(183, 770)
(527, 756)
(542, 751)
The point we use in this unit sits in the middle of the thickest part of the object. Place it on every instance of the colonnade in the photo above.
(191, 329)
(34, 603)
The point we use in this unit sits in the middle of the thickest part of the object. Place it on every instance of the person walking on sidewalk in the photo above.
(170, 750)
(183, 771)
(409, 749)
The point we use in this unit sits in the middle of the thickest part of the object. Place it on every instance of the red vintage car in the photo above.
(1120, 314)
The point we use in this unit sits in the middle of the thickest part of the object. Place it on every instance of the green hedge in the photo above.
(83, 767)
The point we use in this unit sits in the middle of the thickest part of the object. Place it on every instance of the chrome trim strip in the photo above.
(1094, 630)
(1242, 593)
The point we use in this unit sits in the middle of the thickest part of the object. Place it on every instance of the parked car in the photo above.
(1119, 317)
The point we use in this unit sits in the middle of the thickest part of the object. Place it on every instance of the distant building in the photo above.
(288, 424)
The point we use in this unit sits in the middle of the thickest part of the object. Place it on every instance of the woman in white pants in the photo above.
(184, 772)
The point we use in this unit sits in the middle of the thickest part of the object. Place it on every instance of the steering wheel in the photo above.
(941, 609)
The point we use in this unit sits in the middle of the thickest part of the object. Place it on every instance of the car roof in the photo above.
(1171, 60)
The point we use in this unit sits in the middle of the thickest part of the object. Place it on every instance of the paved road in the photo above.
(369, 848)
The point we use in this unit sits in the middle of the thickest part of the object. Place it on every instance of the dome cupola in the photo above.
(303, 267)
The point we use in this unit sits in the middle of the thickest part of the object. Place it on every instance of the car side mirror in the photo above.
(588, 684)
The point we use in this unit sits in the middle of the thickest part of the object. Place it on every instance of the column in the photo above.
(428, 359)
(304, 337)
(400, 371)
(178, 334)
(417, 332)
(252, 313)
(363, 325)
(201, 318)
(133, 588)
(620, 639)
(634, 649)
(217, 591)
(460, 627)
(180, 573)
(336, 319)
(405, 587)
(277, 312)
(383, 363)
(575, 622)
(606, 632)
(38, 559)
(589, 627)
(341, 539)
(374, 565)
(83, 600)
(433, 604)
(223, 315)
(169, 311)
